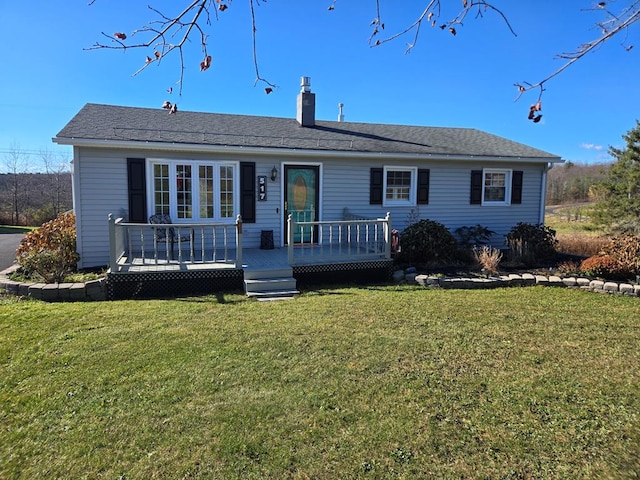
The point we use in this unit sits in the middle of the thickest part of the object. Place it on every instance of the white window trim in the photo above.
(173, 207)
(507, 192)
(413, 189)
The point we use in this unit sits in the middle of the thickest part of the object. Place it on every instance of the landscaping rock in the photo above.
(610, 287)
(398, 276)
(541, 280)
(555, 281)
(626, 289)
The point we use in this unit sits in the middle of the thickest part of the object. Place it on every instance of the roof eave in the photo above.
(273, 151)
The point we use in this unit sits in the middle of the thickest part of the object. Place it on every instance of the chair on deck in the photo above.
(168, 233)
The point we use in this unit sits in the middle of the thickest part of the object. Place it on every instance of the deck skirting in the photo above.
(160, 284)
(172, 284)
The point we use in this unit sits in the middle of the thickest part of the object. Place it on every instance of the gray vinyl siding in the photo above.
(347, 185)
(102, 177)
(102, 189)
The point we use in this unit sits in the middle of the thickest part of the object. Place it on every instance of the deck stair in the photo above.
(270, 283)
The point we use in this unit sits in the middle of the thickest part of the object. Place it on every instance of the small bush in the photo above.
(474, 235)
(50, 251)
(604, 266)
(584, 245)
(489, 258)
(427, 241)
(625, 249)
(530, 244)
(569, 267)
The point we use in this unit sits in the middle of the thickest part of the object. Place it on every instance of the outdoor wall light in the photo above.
(274, 173)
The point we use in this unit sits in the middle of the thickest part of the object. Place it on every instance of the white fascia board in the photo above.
(291, 152)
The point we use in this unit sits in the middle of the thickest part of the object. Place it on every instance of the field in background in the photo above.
(575, 233)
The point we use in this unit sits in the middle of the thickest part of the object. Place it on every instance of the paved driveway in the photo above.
(8, 244)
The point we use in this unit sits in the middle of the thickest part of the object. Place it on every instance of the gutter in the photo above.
(290, 152)
(543, 192)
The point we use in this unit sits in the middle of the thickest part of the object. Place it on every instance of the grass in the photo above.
(575, 233)
(572, 220)
(379, 382)
(13, 229)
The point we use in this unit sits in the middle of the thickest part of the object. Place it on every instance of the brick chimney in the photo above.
(306, 112)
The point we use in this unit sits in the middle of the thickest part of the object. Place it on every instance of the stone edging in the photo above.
(95, 290)
(523, 280)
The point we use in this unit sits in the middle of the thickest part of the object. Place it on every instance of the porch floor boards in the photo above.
(252, 258)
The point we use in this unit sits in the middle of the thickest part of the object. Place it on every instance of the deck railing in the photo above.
(185, 243)
(338, 241)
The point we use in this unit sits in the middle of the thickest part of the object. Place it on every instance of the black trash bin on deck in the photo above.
(266, 240)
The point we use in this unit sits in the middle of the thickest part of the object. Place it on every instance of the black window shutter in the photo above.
(423, 186)
(476, 187)
(248, 192)
(375, 186)
(136, 180)
(516, 186)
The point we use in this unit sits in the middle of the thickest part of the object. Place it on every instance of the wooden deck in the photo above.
(252, 258)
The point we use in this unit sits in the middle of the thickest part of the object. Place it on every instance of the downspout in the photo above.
(76, 203)
(543, 192)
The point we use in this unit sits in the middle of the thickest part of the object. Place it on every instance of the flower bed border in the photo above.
(521, 280)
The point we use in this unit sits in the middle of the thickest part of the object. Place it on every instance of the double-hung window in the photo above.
(193, 191)
(496, 187)
(400, 185)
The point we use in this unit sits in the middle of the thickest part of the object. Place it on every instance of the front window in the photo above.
(192, 191)
(399, 186)
(496, 187)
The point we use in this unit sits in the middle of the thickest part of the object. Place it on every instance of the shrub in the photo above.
(489, 258)
(50, 251)
(427, 241)
(474, 235)
(530, 244)
(625, 249)
(602, 266)
(581, 244)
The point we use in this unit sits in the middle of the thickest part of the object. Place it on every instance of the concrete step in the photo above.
(259, 273)
(270, 284)
(273, 295)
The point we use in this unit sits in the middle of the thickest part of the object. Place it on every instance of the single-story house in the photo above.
(233, 186)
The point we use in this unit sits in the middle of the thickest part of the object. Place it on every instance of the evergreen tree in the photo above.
(619, 211)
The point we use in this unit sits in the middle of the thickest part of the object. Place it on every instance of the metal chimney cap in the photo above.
(305, 84)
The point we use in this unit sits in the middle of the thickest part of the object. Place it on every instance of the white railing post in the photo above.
(113, 261)
(238, 241)
(290, 227)
(387, 235)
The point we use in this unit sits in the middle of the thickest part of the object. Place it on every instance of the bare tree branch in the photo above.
(432, 14)
(611, 27)
(160, 39)
(270, 86)
(194, 19)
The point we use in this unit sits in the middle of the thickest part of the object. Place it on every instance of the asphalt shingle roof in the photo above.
(129, 124)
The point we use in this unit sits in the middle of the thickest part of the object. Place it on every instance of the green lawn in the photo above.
(12, 229)
(371, 383)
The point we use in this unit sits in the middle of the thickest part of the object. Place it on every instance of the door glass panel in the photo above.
(226, 191)
(205, 178)
(184, 191)
(161, 188)
(302, 184)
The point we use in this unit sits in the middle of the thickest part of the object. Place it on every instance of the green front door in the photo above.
(301, 197)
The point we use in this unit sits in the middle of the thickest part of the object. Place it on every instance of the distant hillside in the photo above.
(33, 198)
(571, 182)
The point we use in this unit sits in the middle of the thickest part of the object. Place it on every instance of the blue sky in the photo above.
(461, 81)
